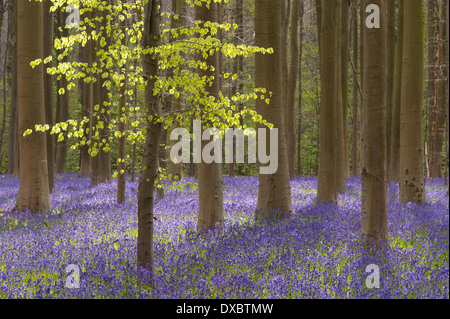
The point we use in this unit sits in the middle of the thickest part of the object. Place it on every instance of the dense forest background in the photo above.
(301, 39)
(357, 90)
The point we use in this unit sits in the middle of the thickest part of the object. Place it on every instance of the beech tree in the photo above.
(150, 39)
(48, 93)
(326, 185)
(209, 175)
(394, 154)
(62, 111)
(373, 129)
(274, 193)
(13, 135)
(412, 178)
(33, 187)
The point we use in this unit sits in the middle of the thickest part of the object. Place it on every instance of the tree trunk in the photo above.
(355, 91)
(61, 147)
(390, 74)
(394, 162)
(447, 91)
(373, 131)
(85, 158)
(344, 81)
(437, 138)
(33, 189)
(237, 69)
(121, 176)
(300, 93)
(134, 151)
(13, 134)
(180, 9)
(210, 185)
(105, 115)
(48, 93)
(150, 38)
(292, 77)
(95, 112)
(274, 195)
(326, 187)
(412, 180)
(339, 112)
(432, 72)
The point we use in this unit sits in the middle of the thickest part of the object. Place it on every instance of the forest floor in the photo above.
(315, 254)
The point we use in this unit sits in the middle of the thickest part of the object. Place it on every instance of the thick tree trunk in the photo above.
(326, 187)
(33, 189)
(373, 131)
(412, 180)
(210, 185)
(150, 38)
(394, 161)
(274, 195)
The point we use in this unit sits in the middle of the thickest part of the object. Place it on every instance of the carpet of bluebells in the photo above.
(315, 254)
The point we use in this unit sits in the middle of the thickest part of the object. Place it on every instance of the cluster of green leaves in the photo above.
(116, 29)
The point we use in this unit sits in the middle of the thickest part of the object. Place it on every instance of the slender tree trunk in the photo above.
(3, 34)
(33, 188)
(134, 151)
(339, 112)
(437, 139)
(432, 73)
(362, 10)
(344, 80)
(326, 187)
(274, 194)
(121, 176)
(105, 115)
(318, 6)
(150, 38)
(85, 158)
(238, 67)
(48, 93)
(13, 134)
(95, 113)
(447, 90)
(292, 78)
(210, 185)
(394, 162)
(412, 180)
(373, 131)
(61, 147)
(300, 92)
(355, 92)
(390, 74)
(180, 9)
